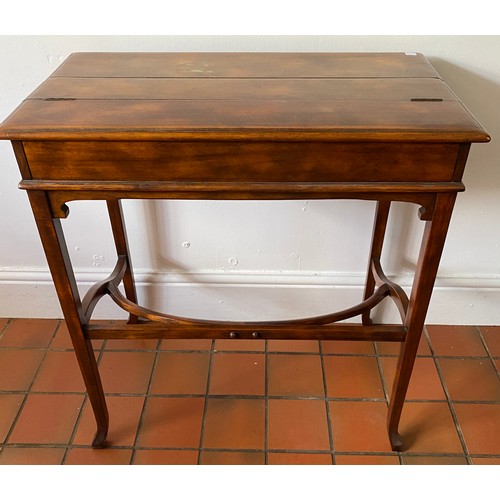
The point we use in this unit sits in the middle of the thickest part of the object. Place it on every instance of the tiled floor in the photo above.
(248, 402)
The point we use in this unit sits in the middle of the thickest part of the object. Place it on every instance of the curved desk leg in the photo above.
(379, 227)
(121, 244)
(425, 275)
(58, 259)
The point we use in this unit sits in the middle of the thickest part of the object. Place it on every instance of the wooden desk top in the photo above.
(338, 97)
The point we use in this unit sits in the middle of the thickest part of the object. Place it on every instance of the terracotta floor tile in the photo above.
(428, 427)
(47, 419)
(234, 423)
(359, 426)
(165, 457)
(352, 377)
(389, 348)
(299, 459)
(186, 345)
(232, 458)
(293, 346)
(18, 367)
(238, 374)
(124, 415)
(424, 383)
(392, 348)
(9, 407)
(470, 379)
(62, 339)
(238, 423)
(298, 425)
(433, 460)
(89, 456)
(366, 460)
(59, 372)
(34, 333)
(491, 335)
(346, 347)
(32, 456)
(295, 375)
(486, 460)
(240, 345)
(456, 341)
(180, 373)
(171, 423)
(480, 425)
(126, 372)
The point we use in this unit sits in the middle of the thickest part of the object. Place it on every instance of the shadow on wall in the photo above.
(271, 300)
(481, 96)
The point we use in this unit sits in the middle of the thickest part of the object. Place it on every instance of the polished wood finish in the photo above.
(379, 228)
(112, 126)
(240, 161)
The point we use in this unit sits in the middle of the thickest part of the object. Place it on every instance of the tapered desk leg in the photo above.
(425, 275)
(121, 244)
(58, 259)
(379, 227)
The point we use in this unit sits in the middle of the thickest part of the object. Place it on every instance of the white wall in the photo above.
(268, 259)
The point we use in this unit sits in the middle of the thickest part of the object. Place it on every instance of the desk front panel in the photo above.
(234, 161)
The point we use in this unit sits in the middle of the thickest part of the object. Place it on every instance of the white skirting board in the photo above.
(252, 297)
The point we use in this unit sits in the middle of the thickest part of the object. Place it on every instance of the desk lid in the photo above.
(244, 96)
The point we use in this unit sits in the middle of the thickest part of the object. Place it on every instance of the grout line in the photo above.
(327, 405)
(395, 454)
(266, 402)
(243, 396)
(381, 374)
(448, 398)
(485, 345)
(75, 427)
(450, 405)
(253, 450)
(146, 395)
(4, 329)
(205, 402)
(219, 351)
(58, 327)
(484, 455)
(14, 422)
(247, 396)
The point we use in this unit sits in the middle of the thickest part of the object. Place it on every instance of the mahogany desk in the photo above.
(112, 126)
